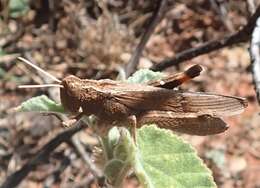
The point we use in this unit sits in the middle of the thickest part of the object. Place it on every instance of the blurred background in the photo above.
(95, 39)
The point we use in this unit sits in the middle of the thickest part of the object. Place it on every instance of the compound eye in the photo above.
(72, 89)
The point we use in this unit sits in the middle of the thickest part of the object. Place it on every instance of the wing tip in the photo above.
(244, 102)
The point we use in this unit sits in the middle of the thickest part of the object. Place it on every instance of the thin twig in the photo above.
(85, 156)
(255, 58)
(242, 35)
(220, 8)
(5, 10)
(251, 6)
(16, 178)
(155, 19)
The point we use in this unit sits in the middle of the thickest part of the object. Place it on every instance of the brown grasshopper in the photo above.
(115, 102)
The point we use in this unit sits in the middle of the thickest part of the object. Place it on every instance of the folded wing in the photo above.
(159, 99)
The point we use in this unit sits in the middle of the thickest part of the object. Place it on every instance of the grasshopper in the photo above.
(115, 102)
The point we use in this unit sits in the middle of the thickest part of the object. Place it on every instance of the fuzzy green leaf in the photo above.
(165, 160)
(144, 75)
(18, 7)
(40, 104)
(112, 170)
(120, 157)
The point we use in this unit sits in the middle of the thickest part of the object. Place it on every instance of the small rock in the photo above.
(237, 164)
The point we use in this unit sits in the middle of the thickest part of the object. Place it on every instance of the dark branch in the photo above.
(155, 19)
(255, 58)
(14, 179)
(242, 35)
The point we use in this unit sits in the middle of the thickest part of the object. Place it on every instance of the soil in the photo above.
(96, 40)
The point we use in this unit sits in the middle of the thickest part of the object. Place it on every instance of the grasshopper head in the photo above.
(70, 93)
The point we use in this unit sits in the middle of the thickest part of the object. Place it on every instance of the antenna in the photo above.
(40, 70)
(40, 86)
